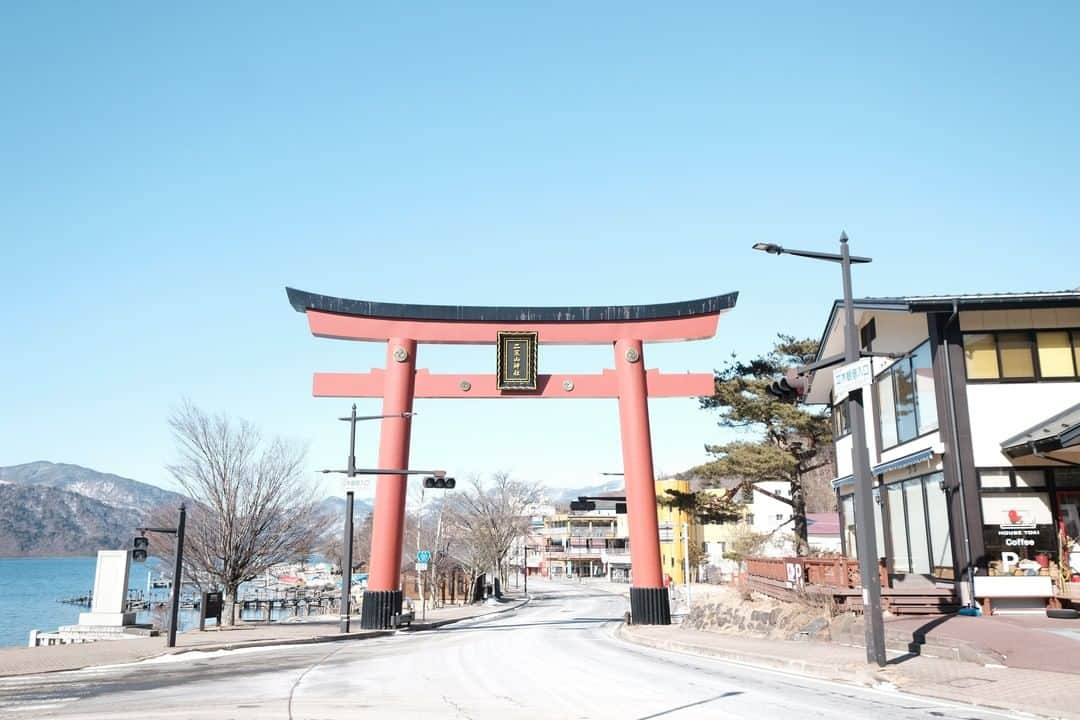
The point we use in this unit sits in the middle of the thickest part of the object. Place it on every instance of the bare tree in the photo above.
(485, 519)
(251, 506)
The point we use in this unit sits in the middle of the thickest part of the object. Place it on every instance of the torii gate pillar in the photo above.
(382, 598)
(649, 604)
(403, 327)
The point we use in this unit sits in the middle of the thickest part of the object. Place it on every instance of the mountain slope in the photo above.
(119, 492)
(41, 521)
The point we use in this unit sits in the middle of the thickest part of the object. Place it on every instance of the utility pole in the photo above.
(347, 566)
(420, 584)
(350, 473)
(178, 576)
(865, 535)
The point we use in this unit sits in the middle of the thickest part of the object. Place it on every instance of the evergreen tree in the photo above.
(791, 441)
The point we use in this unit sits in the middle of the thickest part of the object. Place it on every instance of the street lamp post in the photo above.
(865, 535)
(351, 472)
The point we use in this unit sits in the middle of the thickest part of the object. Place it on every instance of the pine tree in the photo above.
(791, 441)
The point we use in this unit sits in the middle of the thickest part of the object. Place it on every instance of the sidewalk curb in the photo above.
(270, 642)
(858, 675)
(841, 673)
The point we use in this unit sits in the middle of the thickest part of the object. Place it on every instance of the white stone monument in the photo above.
(110, 591)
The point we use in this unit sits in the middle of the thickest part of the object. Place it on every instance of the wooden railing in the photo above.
(829, 572)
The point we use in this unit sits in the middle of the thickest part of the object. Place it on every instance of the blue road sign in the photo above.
(423, 556)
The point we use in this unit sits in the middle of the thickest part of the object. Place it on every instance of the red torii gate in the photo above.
(403, 327)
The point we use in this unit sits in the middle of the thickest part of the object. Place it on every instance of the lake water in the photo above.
(31, 590)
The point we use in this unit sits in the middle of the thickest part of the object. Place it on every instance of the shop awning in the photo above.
(908, 460)
(902, 462)
(1055, 433)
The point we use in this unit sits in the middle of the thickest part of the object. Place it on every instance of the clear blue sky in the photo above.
(166, 172)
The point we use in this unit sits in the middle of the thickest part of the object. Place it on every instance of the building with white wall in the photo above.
(973, 429)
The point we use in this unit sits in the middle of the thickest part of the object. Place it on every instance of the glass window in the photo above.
(995, 478)
(1076, 350)
(886, 410)
(879, 524)
(1055, 354)
(847, 511)
(980, 354)
(898, 529)
(1031, 478)
(1018, 526)
(916, 523)
(923, 368)
(841, 418)
(1067, 478)
(904, 386)
(1016, 356)
(937, 519)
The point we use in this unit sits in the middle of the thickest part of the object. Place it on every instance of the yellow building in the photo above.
(674, 523)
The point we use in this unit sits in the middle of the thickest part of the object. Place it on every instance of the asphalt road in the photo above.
(554, 658)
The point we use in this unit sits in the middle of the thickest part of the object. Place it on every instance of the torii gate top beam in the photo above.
(346, 319)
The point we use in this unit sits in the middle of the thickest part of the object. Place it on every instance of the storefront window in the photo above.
(847, 517)
(937, 519)
(1019, 533)
(1069, 519)
(901, 558)
(919, 527)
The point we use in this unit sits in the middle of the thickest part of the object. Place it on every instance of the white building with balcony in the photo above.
(973, 429)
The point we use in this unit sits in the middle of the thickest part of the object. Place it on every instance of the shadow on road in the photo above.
(539, 623)
(690, 705)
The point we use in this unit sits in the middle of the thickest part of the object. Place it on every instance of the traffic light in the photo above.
(440, 483)
(140, 549)
(791, 388)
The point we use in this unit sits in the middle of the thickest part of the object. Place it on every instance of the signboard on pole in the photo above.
(357, 482)
(423, 556)
(421, 567)
(852, 376)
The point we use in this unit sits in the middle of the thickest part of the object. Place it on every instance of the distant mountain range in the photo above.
(335, 507)
(56, 509)
(53, 509)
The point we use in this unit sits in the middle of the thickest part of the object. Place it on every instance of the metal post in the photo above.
(686, 561)
(346, 570)
(865, 536)
(525, 566)
(178, 577)
(420, 573)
